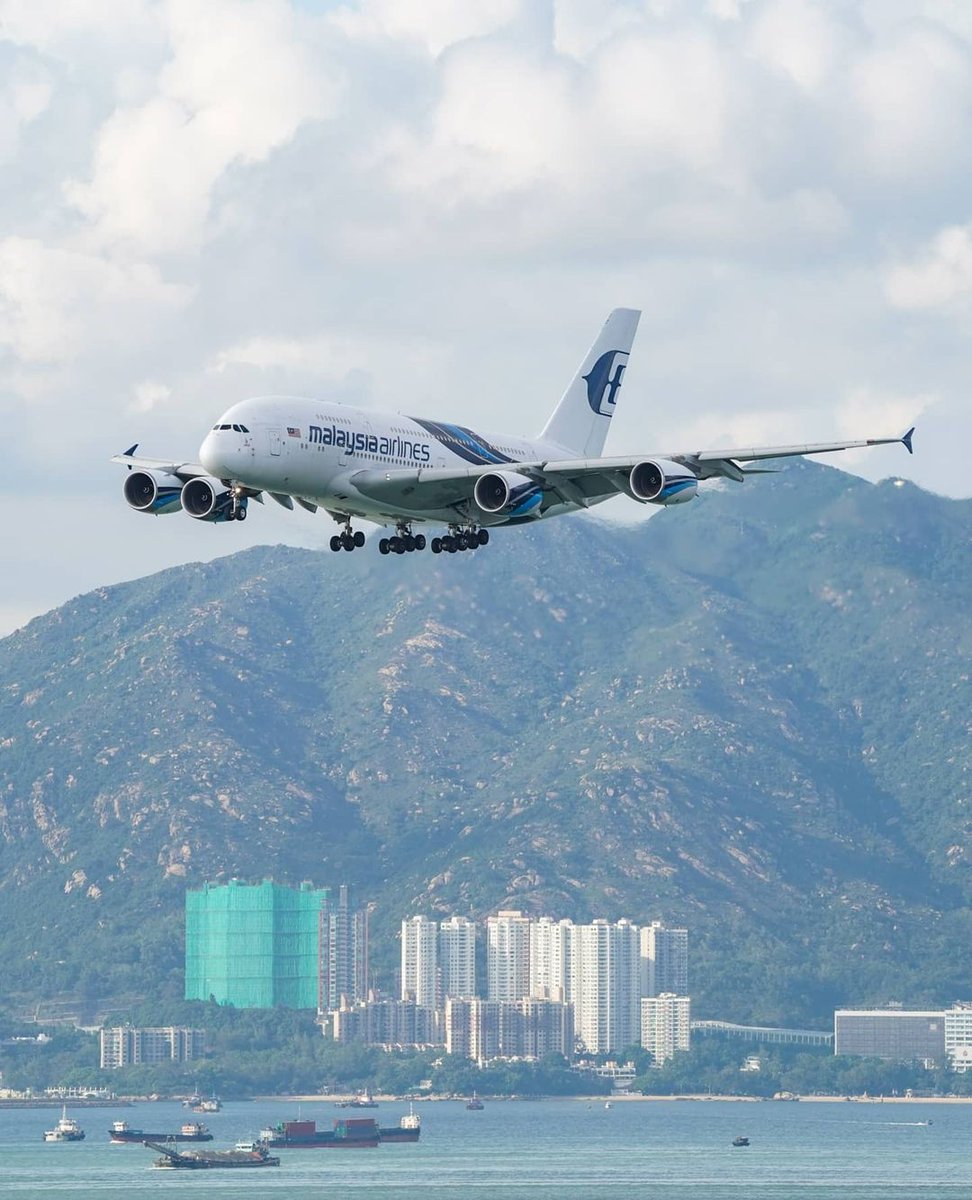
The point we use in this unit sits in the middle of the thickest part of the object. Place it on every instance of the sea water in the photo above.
(514, 1150)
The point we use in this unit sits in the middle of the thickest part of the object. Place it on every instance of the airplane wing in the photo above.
(579, 481)
(182, 470)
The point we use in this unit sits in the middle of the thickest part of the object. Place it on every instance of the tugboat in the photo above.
(191, 1131)
(408, 1128)
(66, 1130)
(474, 1104)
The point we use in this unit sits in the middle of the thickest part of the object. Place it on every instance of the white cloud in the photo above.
(56, 303)
(239, 83)
(24, 96)
(434, 24)
(148, 394)
(939, 277)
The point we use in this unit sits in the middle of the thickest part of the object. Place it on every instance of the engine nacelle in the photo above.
(661, 482)
(153, 492)
(508, 494)
(207, 499)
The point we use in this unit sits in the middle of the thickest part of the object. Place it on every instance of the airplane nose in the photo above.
(208, 455)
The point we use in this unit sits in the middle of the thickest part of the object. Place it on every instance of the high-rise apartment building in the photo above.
(958, 1037)
(508, 955)
(126, 1045)
(420, 961)
(664, 960)
(384, 1022)
(606, 985)
(457, 958)
(255, 946)
(665, 1025)
(551, 946)
(343, 957)
(487, 1029)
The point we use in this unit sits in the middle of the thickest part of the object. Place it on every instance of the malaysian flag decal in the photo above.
(292, 432)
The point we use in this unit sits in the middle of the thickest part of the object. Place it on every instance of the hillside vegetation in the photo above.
(751, 715)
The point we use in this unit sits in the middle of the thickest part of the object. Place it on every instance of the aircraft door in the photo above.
(276, 440)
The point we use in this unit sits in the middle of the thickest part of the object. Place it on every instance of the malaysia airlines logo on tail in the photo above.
(604, 380)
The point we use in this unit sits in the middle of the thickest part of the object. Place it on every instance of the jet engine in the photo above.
(153, 492)
(661, 482)
(207, 499)
(508, 494)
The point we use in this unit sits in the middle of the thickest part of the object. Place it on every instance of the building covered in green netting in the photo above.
(255, 945)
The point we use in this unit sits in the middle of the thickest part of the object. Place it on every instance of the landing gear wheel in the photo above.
(398, 545)
(437, 545)
(359, 539)
(461, 543)
(241, 513)
(483, 536)
(336, 542)
(409, 542)
(420, 541)
(383, 546)
(347, 541)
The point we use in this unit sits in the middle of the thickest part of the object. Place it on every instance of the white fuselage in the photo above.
(312, 449)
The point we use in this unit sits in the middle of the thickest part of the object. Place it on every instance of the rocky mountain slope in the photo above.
(752, 715)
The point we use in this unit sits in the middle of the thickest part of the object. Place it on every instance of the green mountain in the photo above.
(751, 715)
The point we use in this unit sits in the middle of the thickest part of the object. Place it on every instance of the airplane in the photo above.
(398, 471)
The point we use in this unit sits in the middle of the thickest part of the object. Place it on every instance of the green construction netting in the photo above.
(254, 945)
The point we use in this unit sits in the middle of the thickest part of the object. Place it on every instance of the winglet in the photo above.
(131, 450)
(906, 440)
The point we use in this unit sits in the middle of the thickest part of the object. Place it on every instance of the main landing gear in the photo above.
(404, 542)
(348, 540)
(460, 539)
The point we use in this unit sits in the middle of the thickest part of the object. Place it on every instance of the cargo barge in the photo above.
(408, 1129)
(191, 1131)
(240, 1158)
(356, 1133)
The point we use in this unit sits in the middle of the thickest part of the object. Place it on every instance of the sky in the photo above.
(431, 205)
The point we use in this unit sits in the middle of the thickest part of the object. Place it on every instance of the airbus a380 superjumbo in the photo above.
(402, 471)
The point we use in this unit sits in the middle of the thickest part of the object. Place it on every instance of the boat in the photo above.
(408, 1128)
(213, 1104)
(353, 1133)
(191, 1131)
(740, 1141)
(363, 1100)
(474, 1104)
(66, 1130)
(243, 1155)
(608, 1105)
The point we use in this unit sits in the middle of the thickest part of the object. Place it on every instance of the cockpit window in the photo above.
(243, 429)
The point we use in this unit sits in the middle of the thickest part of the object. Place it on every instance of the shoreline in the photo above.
(619, 1098)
